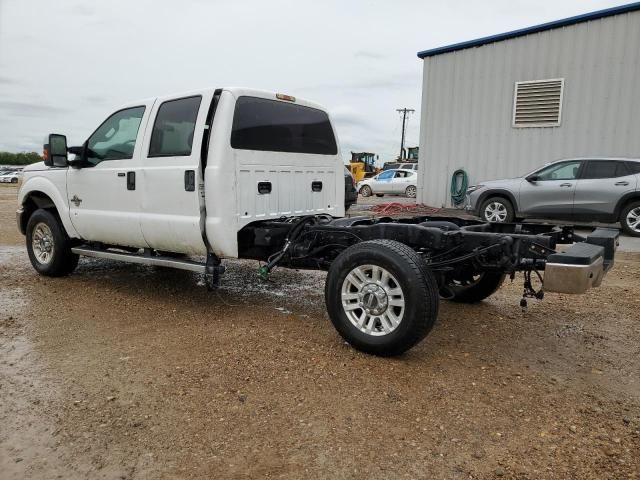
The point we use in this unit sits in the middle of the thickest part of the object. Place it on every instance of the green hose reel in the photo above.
(459, 184)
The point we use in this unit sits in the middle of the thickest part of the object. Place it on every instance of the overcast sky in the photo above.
(66, 64)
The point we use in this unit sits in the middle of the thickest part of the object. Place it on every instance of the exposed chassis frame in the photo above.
(453, 248)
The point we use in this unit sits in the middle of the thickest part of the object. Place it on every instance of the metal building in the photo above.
(503, 105)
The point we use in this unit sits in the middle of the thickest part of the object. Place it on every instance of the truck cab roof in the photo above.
(235, 91)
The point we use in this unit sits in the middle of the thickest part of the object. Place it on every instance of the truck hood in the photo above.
(34, 167)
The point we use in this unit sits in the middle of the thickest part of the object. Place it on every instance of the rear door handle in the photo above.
(121, 174)
(566, 184)
(621, 184)
(190, 180)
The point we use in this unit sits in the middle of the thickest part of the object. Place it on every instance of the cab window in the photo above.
(560, 171)
(634, 167)
(595, 169)
(388, 175)
(403, 173)
(173, 129)
(115, 139)
(276, 126)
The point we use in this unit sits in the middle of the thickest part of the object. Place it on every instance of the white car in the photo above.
(395, 182)
(10, 177)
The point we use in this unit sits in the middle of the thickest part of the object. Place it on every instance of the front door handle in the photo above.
(566, 184)
(131, 180)
(621, 184)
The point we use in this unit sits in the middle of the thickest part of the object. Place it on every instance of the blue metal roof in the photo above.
(608, 12)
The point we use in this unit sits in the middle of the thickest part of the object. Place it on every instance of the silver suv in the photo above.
(602, 189)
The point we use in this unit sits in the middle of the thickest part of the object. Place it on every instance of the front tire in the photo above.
(366, 191)
(630, 219)
(49, 246)
(497, 210)
(472, 289)
(381, 297)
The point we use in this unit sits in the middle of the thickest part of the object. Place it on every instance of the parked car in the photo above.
(350, 192)
(400, 165)
(397, 181)
(598, 189)
(10, 177)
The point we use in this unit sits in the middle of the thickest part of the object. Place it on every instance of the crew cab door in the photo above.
(172, 193)
(601, 185)
(549, 192)
(104, 194)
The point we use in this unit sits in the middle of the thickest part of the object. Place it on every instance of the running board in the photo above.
(158, 261)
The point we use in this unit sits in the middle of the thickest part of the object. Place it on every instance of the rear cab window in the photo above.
(277, 126)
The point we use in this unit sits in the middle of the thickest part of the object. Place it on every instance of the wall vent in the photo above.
(538, 103)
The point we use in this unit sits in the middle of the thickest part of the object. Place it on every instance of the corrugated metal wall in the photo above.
(467, 103)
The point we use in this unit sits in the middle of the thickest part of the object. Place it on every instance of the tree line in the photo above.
(24, 158)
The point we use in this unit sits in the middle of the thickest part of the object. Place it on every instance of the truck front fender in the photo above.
(54, 186)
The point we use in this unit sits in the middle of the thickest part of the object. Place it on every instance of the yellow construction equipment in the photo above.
(363, 165)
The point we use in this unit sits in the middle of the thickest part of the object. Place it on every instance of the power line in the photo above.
(405, 112)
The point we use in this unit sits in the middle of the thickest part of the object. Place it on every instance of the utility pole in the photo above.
(404, 112)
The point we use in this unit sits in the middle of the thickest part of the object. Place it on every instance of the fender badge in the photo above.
(76, 201)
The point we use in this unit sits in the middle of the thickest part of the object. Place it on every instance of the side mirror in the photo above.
(58, 150)
(80, 156)
(533, 178)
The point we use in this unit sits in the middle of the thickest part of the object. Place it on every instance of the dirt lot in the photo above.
(122, 371)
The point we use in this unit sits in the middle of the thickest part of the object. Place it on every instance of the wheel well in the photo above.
(622, 204)
(33, 202)
(504, 196)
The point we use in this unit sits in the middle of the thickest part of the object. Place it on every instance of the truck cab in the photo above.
(184, 173)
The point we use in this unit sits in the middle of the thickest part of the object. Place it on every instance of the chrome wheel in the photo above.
(373, 300)
(411, 191)
(633, 219)
(42, 243)
(495, 212)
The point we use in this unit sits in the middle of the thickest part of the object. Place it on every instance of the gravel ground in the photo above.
(126, 372)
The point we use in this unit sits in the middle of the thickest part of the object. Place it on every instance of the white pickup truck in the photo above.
(238, 173)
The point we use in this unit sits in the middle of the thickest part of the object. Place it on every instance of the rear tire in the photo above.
(49, 246)
(630, 219)
(411, 191)
(381, 297)
(366, 191)
(497, 210)
(473, 290)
